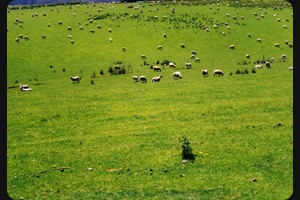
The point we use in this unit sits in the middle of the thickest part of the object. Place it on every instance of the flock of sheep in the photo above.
(176, 75)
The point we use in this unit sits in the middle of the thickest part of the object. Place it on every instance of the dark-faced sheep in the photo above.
(156, 78)
(218, 72)
(75, 78)
(268, 64)
(204, 72)
(188, 65)
(135, 78)
(177, 75)
(143, 79)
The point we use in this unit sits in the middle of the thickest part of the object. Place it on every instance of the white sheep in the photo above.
(188, 65)
(177, 75)
(172, 65)
(290, 68)
(218, 72)
(259, 66)
(231, 46)
(25, 88)
(204, 72)
(135, 78)
(143, 79)
(157, 68)
(156, 78)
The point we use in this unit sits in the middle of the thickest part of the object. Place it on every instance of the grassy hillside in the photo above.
(116, 139)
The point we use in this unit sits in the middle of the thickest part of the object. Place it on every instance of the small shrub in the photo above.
(246, 71)
(238, 71)
(187, 150)
(253, 71)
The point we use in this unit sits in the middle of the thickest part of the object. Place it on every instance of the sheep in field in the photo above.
(156, 68)
(268, 64)
(172, 65)
(247, 55)
(290, 68)
(156, 78)
(135, 79)
(188, 65)
(143, 79)
(258, 66)
(177, 75)
(218, 72)
(24, 88)
(75, 78)
(204, 72)
(232, 47)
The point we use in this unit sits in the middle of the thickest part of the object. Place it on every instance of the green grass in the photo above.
(240, 126)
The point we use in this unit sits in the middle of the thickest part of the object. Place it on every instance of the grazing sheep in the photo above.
(143, 79)
(188, 65)
(60, 22)
(197, 60)
(182, 46)
(165, 35)
(277, 45)
(218, 72)
(99, 26)
(72, 41)
(26, 37)
(192, 56)
(290, 68)
(48, 24)
(156, 68)
(290, 45)
(92, 31)
(258, 40)
(43, 37)
(193, 52)
(123, 49)
(109, 30)
(20, 36)
(17, 40)
(75, 78)
(69, 28)
(172, 65)
(156, 78)
(258, 66)
(135, 78)
(110, 39)
(177, 75)
(247, 55)
(231, 46)
(159, 47)
(25, 88)
(70, 36)
(268, 64)
(81, 27)
(204, 72)
(117, 67)
(143, 56)
(283, 56)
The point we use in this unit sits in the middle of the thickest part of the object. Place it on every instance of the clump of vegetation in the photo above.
(187, 150)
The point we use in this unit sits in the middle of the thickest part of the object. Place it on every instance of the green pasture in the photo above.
(110, 138)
